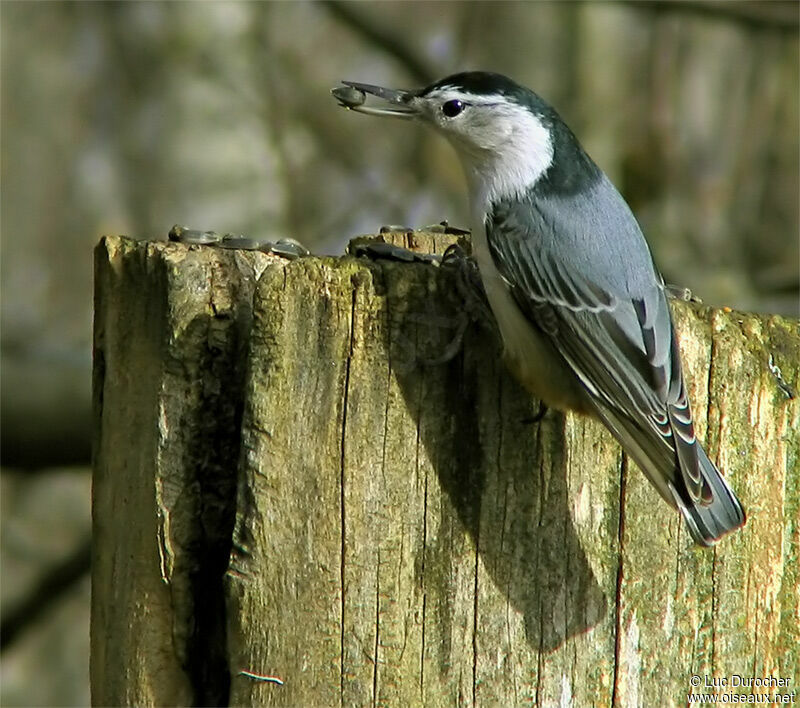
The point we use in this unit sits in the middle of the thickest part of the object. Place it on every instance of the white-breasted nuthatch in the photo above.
(581, 308)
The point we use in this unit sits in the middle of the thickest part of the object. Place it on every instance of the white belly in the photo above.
(528, 353)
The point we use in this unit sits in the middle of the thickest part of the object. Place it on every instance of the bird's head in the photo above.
(504, 133)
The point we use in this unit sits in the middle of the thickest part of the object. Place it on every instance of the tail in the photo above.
(708, 522)
(713, 510)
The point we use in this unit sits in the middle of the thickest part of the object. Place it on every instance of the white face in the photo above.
(504, 147)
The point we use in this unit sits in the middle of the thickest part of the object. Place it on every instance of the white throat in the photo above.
(515, 157)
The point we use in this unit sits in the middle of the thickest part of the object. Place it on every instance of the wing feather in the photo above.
(619, 342)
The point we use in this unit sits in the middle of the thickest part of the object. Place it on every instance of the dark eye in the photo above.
(452, 108)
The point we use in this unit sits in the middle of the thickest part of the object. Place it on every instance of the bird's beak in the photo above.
(352, 96)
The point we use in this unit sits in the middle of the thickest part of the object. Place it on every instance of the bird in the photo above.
(580, 305)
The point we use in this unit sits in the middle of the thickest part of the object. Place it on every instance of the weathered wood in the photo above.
(171, 330)
(401, 533)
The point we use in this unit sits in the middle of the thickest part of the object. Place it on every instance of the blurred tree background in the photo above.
(129, 117)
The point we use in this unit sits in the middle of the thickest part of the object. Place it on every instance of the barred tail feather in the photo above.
(710, 514)
(709, 522)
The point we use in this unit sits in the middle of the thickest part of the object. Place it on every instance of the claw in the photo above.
(537, 417)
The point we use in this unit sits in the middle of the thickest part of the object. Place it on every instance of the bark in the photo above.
(286, 486)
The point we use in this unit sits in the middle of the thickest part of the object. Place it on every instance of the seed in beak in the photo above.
(348, 96)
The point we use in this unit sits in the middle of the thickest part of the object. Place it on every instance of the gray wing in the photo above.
(614, 330)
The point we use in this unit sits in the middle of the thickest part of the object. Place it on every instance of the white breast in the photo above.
(528, 353)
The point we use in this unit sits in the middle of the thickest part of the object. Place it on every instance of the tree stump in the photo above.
(286, 488)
